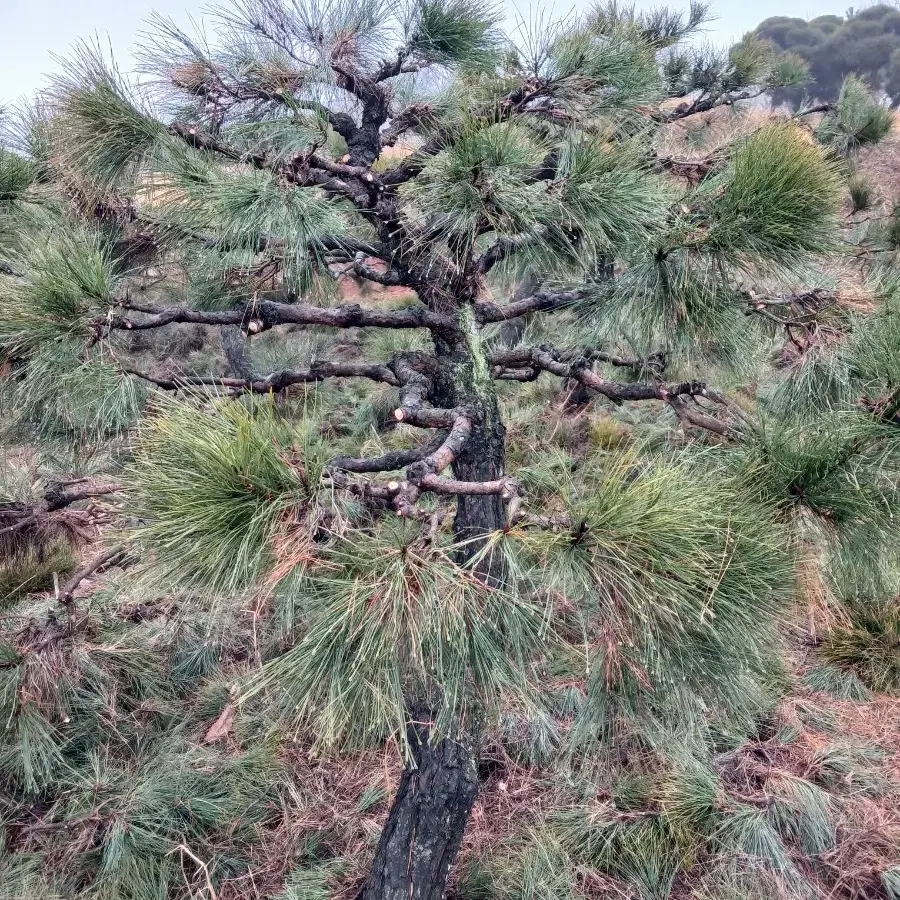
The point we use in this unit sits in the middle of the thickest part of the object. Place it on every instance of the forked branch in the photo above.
(565, 364)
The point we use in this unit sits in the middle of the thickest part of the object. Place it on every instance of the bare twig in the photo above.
(97, 564)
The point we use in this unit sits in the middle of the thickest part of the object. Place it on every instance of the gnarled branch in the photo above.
(391, 461)
(106, 560)
(617, 391)
(275, 382)
(540, 302)
(389, 278)
(59, 496)
(566, 365)
(304, 170)
(522, 357)
(706, 103)
(265, 314)
(423, 475)
(200, 140)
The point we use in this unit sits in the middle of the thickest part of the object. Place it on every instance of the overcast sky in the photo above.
(32, 31)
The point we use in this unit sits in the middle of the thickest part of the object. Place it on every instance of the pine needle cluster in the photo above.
(426, 279)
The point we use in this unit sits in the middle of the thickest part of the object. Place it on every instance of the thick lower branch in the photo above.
(540, 302)
(505, 487)
(616, 391)
(566, 365)
(522, 357)
(416, 387)
(389, 462)
(59, 496)
(260, 316)
(105, 560)
(276, 382)
(423, 475)
(443, 456)
(405, 494)
(520, 374)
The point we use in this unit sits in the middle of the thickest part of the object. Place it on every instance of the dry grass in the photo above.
(327, 803)
(878, 723)
(882, 163)
(325, 809)
(326, 799)
(818, 606)
(868, 826)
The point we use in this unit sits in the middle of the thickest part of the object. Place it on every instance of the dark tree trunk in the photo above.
(234, 343)
(429, 814)
(482, 459)
(465, 381)
(512, 330)
(426, 822)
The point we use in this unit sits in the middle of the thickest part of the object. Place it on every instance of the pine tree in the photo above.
(431, 589)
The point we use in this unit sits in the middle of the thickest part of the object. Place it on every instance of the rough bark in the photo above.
(426, 822)
(431, 809)
(429, 814)
(466, 381)
(234, 343)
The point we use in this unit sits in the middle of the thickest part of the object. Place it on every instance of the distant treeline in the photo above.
(866, 41)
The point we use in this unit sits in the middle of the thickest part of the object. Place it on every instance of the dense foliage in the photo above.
(393, 414)
(865, 41)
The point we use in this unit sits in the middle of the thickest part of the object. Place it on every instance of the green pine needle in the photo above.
(104, 138)
(779, 200)
(890, 878)
(212, 487)
(389, 620)
(858, 119)
(454, 32)
(838, 683)
(67, 280)
(684, 577)
(870, 646)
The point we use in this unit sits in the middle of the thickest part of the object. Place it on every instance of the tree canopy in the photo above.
(864, 41)
(545, 491)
